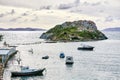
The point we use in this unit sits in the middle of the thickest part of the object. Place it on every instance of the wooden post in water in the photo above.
(1, 71)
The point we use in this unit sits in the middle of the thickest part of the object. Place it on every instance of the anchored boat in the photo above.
(69, 60)
(45, 57)
(62, 55)
(85, 47)
(25, 71)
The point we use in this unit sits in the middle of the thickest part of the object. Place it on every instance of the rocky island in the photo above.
(82, 30)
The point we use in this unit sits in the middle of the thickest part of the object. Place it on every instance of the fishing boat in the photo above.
(62, 55)
(45, 57)
(69, 60)
(25, 71)
(85, 47)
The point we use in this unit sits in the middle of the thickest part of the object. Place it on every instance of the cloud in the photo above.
(7, 13)
(1, 15)
(111, 18)
(91, 4)
(93, 9)
(24, 21)
(46, 7)
(96, 4)
(35, 19)
(69, 5)
(77, 2)
(18, 3)
(35, 4)
(50, 12)
(24, 14)
(65, 6)
(99, 9)
(86, 3)
(32, 11)
(12, 11)
(15, 19)
(118, 18)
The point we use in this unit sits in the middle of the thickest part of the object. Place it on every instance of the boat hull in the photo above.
(85, 48)
(69, 62)
(45, 57)
(32, 73)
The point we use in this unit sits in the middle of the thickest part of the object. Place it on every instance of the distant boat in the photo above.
(85, 47)
(31, 50)
(45, 57)
(62, 55)
(69, 60)
(25, 71)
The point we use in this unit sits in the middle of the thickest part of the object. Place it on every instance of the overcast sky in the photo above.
(48, 13)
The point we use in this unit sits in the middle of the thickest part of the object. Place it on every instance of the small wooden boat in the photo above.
(62, 55)
(45, 57)
(27, 72)
(85, 47)
(69, 60)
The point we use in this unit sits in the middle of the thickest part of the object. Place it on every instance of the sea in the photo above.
(103, 63)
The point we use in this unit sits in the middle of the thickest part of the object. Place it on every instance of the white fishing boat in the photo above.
(69, 60)
(85, 47)
(25, 71)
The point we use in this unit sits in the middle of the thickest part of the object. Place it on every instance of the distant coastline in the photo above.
(22, 29)
(112, 29)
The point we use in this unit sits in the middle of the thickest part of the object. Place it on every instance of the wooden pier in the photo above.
(4, 58)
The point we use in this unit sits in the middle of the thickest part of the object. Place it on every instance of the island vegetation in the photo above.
(81, 30)
(1, 37)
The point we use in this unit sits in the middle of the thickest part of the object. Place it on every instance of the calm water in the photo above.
(101, 64)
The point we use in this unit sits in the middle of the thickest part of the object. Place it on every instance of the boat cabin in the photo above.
(69, 60)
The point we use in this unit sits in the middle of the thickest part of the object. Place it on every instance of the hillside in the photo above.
(112, 29)
(21, 29)
(81, 30)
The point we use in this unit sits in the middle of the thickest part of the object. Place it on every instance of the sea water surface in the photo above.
(103, 63)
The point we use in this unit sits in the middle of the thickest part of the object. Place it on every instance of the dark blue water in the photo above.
(103, 63)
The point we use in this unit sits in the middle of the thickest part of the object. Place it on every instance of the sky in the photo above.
(48, 13)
